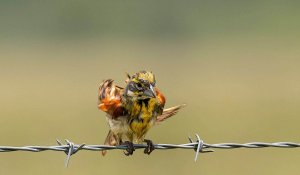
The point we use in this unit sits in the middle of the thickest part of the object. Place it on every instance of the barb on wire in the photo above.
(71, 149)
(199, 146)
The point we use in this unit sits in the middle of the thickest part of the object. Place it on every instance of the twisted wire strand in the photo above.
(199, 146)
(157, 146)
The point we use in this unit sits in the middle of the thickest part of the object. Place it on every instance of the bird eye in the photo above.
(139, 85)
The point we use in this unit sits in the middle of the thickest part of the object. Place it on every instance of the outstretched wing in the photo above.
(110, 97)
(169, 112)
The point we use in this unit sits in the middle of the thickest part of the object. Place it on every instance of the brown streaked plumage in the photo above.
(133, 110)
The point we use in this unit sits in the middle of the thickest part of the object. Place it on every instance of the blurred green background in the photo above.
(236, 64)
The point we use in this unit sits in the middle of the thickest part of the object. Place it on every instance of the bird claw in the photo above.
(130, 148)
(150, 146)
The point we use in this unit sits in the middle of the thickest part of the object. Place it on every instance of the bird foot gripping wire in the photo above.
(70, 149)
(199, 147)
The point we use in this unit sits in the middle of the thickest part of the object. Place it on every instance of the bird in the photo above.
(131, 111)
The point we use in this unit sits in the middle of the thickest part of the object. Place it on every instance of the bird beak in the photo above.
(150, 92)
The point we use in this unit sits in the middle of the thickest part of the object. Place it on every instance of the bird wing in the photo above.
(161, 98)
(169, 112)
(110, 97)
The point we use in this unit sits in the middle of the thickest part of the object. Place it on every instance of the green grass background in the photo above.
(236, 64)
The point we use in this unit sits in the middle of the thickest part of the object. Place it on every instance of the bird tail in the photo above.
(111, 140)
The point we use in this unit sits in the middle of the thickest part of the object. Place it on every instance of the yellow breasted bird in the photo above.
(133, 110)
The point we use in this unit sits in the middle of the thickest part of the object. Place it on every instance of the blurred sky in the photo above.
(234, 63)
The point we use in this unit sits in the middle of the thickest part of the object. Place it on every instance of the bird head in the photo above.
(141, 86)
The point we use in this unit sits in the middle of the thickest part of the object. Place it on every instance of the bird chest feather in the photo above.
(142, 115)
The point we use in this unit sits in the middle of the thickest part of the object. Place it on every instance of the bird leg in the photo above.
(150, 146)
(130, 148)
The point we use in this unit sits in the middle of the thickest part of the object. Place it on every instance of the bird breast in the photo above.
(119, 125)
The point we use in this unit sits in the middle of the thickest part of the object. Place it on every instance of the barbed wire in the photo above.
(198, 146)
